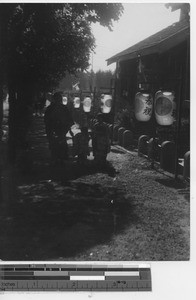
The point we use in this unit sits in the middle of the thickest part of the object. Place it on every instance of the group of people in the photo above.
(58, 122)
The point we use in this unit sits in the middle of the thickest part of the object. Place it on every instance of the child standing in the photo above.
(101, 140)
(80, 145)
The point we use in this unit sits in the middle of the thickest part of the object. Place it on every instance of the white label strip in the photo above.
(146, 266)
(51, 273)
(131, 266)
(87, 277)
(123, 273)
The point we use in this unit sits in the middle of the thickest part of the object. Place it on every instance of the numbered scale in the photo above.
(72, 277)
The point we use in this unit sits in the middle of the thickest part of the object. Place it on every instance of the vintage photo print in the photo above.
(95, 131)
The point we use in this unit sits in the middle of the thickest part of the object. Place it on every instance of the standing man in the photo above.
(58, 122)
(100, 140)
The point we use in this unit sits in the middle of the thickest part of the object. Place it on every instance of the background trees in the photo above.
(87, 80)
(41, 42)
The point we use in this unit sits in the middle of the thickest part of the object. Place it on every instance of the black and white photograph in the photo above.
(94, 131)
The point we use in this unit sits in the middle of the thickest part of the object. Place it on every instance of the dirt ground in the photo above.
(126, 211)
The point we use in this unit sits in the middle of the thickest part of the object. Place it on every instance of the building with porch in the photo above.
(159, 62)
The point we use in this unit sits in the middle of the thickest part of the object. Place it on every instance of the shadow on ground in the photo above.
(171, 182)
(48, 221)
(52, 212)
(180, 186)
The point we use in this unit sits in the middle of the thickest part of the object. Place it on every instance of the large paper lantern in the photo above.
(143, 106)
(64, 100)
(87, 104)
(106, 103)
(164, 107)
(76, 102)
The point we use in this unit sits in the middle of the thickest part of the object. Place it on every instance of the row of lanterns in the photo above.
(164, 107)
(105, 103)
(163, 102)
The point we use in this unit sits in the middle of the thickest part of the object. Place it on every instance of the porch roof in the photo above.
(159, 42)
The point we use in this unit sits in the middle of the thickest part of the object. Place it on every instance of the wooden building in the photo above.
(159, 62)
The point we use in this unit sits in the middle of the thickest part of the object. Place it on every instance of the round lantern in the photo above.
(76, 102)
(64, 100)
(87, 104)
(106, 103)
(143, 106)
(164, 107)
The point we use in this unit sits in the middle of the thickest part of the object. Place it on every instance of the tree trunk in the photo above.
(11, 124)
(24, 114)
(20, 119)
(1, 77)
(3, 56)
(1, 111)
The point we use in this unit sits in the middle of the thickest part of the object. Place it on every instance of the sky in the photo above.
(138, 21)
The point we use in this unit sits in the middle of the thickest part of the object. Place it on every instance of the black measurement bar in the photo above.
(69, 268)
(78, 277)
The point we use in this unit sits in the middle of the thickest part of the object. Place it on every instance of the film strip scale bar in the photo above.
(71, 277)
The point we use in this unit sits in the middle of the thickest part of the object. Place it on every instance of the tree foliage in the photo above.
(39, 43)
(47, 40)
(87, 80)
(103, 79)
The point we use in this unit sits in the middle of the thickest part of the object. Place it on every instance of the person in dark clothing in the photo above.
(39, 104)
(58, 122)
(81, 145)
(100, 140)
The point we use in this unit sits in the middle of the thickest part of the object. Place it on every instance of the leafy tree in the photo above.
(46, 40)
(43, 42)
(5, 13)
(83, 78)
(87, 80)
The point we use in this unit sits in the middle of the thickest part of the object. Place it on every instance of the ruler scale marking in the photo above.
(69, 277)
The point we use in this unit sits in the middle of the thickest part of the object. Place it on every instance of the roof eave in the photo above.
(158, 47)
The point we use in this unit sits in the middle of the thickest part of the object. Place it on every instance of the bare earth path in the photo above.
(125, 212)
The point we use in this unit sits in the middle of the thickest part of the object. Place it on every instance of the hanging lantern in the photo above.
(164, 107)
(106, 103)
(87, 104)
(64, 100)
(76, 102)
(143, 106)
